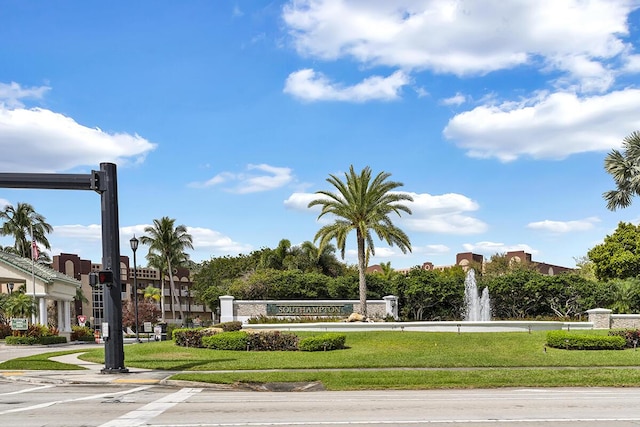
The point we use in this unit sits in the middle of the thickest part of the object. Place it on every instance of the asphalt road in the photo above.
(30, 405)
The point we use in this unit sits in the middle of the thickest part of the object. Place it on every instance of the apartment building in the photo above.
(72, 265)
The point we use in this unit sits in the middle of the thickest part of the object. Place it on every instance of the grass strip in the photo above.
(40, 362)
(384, 349)
(435, 379)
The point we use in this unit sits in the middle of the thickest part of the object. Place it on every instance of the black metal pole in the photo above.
(113, 345)
(135, 294)
(103, 182)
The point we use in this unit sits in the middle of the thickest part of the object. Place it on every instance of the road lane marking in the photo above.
(26, 390)
(77, 399)
(553, 421)
(151, 410)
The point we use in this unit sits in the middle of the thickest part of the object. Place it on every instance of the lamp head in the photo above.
(134, 243)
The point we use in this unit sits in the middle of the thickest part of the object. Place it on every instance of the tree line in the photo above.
(363, 203)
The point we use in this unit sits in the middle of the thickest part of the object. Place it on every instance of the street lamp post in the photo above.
(134, 247)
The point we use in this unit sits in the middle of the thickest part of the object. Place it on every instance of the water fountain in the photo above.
(477, 306)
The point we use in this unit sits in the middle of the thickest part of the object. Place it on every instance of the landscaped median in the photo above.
(400, 360)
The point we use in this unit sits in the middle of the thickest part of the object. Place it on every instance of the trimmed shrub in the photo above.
(21, 340)
(572, 341)
(46, 340)
(36, 331)
(52, 339)
(230, 326)
(272, 341)
(192, 337)
(235, 340)
(324, 342)
(5, 330)
(631, 336)
(81, 333)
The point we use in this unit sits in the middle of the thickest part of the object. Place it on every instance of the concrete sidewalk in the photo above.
(90, 374)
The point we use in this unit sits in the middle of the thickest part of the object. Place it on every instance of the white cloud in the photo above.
(300, 202)
(546, 126)
(309, 85)
(86, 240)
(446, 213)
(216, 242)
(4, 203)
(491, 248)
(457, 99)
(564, 226)
(632, 64)
(12, 94)
(464, 37)
(249, 182)
(40, 140)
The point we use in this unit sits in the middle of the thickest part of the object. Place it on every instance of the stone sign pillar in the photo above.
(226, 308)
(391, 306)
(600, 317)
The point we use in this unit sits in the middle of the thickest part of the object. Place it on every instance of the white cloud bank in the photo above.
(564, 226)
(446, 213)
(309, 85)
(268, 178)
(581, 40)
(86, 240)
(41, 140)
(548, 126)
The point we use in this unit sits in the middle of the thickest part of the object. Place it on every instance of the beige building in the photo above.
(53, 291)
(72, 265)
(469, 259)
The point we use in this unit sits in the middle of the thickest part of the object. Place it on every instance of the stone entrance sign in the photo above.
(338, 310)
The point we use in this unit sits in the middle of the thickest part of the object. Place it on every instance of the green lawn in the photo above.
(40, 362)
(381, 350)
(375, 360)
(378, 360)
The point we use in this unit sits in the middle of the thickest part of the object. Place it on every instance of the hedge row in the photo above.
(51, 339)
(573, 341)
(631, 336)
(192, 337)
(272, 341)
(331, 341)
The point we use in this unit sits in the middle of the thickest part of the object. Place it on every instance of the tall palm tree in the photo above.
(168, 242)
(152, 293)
(624, 167)
(362, 204)
(19, 305)
(24, 224)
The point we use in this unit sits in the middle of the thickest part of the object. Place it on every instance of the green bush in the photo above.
(230, 326)
(21, 340)
(235, 340)
(45, 340)
(631, 336)
(572, 341)
(324, 342)
(272, 341)
(5, 330)
(52, 339)
(81, 333)
(170, 328)
(192, 337)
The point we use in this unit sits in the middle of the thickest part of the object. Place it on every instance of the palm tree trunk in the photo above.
(162, 296)
(176, 297)
(361, 270)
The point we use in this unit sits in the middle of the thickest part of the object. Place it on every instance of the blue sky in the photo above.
(228, 115)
